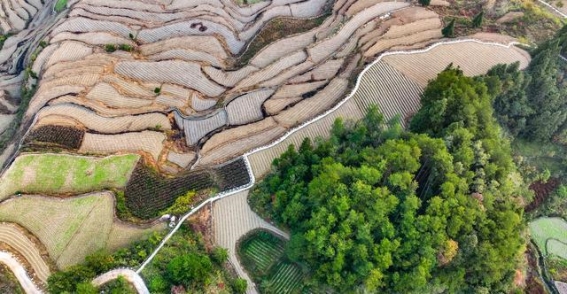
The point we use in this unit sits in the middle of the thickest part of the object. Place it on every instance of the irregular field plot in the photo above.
(74, 227)
(61, 174)
(545, 229)
(262, 255)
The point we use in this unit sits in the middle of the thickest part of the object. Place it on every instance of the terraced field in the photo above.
(163, 80)
(72, 228)
(64, 174)
(18, 241)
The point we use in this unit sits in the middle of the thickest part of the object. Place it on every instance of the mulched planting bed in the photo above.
(147, 192)
(542, 191)
(60, 136)
(232, 175)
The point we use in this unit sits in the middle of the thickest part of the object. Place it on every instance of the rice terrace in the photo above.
(283, 146)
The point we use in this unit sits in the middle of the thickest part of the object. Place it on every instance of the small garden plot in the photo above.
(262, 254)
(232, 175)
(545, 229)
(58, 174)
(148, 193)
(260, 251)
(56, 136)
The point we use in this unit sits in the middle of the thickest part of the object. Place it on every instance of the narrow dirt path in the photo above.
(20, 273)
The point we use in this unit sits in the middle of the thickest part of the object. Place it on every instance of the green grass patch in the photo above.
(63, 174)
(545, 229)
(263, 256)
(557, 247)
(60, 5)
(550, 156)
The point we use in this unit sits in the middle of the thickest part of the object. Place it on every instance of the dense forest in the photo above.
(433, 209)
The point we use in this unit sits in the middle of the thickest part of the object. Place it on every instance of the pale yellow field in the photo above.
(74, 227)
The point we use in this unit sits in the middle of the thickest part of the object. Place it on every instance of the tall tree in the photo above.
(449, 30)
(477, 20)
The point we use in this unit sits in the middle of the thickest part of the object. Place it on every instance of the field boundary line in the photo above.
(301, 126)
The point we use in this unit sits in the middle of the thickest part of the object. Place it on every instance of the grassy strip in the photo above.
(56, 174)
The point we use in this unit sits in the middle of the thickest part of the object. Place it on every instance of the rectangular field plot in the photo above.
(61, 174)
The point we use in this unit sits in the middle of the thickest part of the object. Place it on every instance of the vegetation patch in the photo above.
(379, 209)
(545, 229)
(277, 29)
(262, 255)
(185, 263)
(148, 192)
(77, 278)
(57, 136)
(8, 282)
(59, 174)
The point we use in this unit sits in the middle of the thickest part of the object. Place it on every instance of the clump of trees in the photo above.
(378, 209)
(533, 103)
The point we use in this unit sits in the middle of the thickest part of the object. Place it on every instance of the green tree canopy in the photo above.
(383, 210)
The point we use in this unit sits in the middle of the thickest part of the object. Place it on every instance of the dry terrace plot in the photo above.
(62, 174)
(72, 228)
(423, 67)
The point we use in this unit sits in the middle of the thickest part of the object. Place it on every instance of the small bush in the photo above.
(110, 48)
(157, 90)
(239, 285)
(125, 47)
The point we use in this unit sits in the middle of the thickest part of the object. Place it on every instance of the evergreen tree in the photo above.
(477, 20)
(448, 31)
